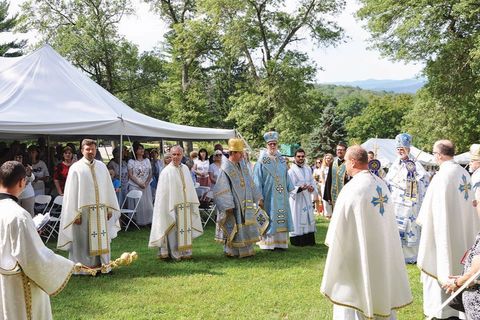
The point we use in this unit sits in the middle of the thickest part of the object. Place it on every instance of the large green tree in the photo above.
(278, 88)
(327, 133)
(445, 35)
(7, 24)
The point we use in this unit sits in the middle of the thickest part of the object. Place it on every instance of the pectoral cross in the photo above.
(465, 187)
(380, 200)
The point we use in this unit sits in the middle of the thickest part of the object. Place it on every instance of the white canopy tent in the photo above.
(43, 94)
(462, 158)
(386, 151)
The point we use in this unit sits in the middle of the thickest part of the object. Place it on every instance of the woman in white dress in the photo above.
(140, 175)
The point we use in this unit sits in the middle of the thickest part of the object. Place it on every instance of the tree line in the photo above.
(235, 64)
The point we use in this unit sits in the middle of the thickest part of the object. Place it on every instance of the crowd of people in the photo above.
(379, 220)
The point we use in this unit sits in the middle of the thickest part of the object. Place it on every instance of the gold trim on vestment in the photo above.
(264, 243)
(62, 286)
(27, 294)
(363, 313)
(9, 272)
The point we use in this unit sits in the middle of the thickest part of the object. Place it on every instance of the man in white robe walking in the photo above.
(449, 227)
(408, 181)
(303, 217)
(176, 218)
(29, 271)
(90, 212)
(364, 276)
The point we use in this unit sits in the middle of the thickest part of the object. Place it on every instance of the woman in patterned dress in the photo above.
(140, 175)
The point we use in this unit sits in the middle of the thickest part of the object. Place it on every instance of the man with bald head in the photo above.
(176, 218)
(365, 275)
(449, 226)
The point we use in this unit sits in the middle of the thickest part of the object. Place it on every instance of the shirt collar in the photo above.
(8, 196)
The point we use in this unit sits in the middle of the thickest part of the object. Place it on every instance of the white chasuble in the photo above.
(29, 271)
(449, 222)
(449, 227)
(89, 194)
(176, 205)
(365, 269)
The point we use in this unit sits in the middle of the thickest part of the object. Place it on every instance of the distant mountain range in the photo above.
(397, 86)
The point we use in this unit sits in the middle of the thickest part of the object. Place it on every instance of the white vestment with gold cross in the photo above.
(89, 194)
(176, 218)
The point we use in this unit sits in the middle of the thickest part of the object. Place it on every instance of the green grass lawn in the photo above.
(271, 285)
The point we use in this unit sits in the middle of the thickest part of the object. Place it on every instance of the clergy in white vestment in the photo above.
(90, 212)
(176, 218)
(408, 182)
(474, 167)
(29, 272)
(303, 217)
(449, 227)
(365, 276)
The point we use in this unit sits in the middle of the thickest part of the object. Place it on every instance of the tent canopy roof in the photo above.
(43, 94)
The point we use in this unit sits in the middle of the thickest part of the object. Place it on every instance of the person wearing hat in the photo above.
(449, 227)
(271, 179)
(235, 194)
(407, 180)
(473, 167)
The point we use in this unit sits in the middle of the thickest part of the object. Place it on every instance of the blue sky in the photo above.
(348, 61)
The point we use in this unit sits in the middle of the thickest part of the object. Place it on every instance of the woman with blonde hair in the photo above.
(317, 198)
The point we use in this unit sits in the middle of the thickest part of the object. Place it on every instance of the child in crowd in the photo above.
(116, 184)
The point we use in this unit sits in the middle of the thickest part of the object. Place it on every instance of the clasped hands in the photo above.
(79, 219)
(307, 187)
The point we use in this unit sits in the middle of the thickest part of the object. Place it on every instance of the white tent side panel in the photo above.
(43, 94)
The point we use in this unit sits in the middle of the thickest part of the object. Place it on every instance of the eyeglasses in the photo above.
(217, 155)
(300, 156)
(319, 161)
(272, 144)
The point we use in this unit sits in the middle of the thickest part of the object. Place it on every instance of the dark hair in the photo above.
(88, 142)
(446, 149)
(11, 172)
(33, 148)
(137, 146)
(206, 154)
(299, 150)
(342, 144)
(371, 152)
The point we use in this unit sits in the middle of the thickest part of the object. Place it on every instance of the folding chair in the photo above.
(54, 217)
(128, 214)
(42, 201)
(207, 207)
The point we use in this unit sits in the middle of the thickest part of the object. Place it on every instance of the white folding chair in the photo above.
(42, 201)
(207, 207)
(54, 220)
(128, 214)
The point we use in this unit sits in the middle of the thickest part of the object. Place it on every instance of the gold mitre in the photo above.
(235, 145)
(475, 152)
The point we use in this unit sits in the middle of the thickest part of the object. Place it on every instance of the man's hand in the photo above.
(474, 203)
(310, 189)
(109, 215)
(260, 204)
(78, 220)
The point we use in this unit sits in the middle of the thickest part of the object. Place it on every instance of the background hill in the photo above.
(396, 86)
